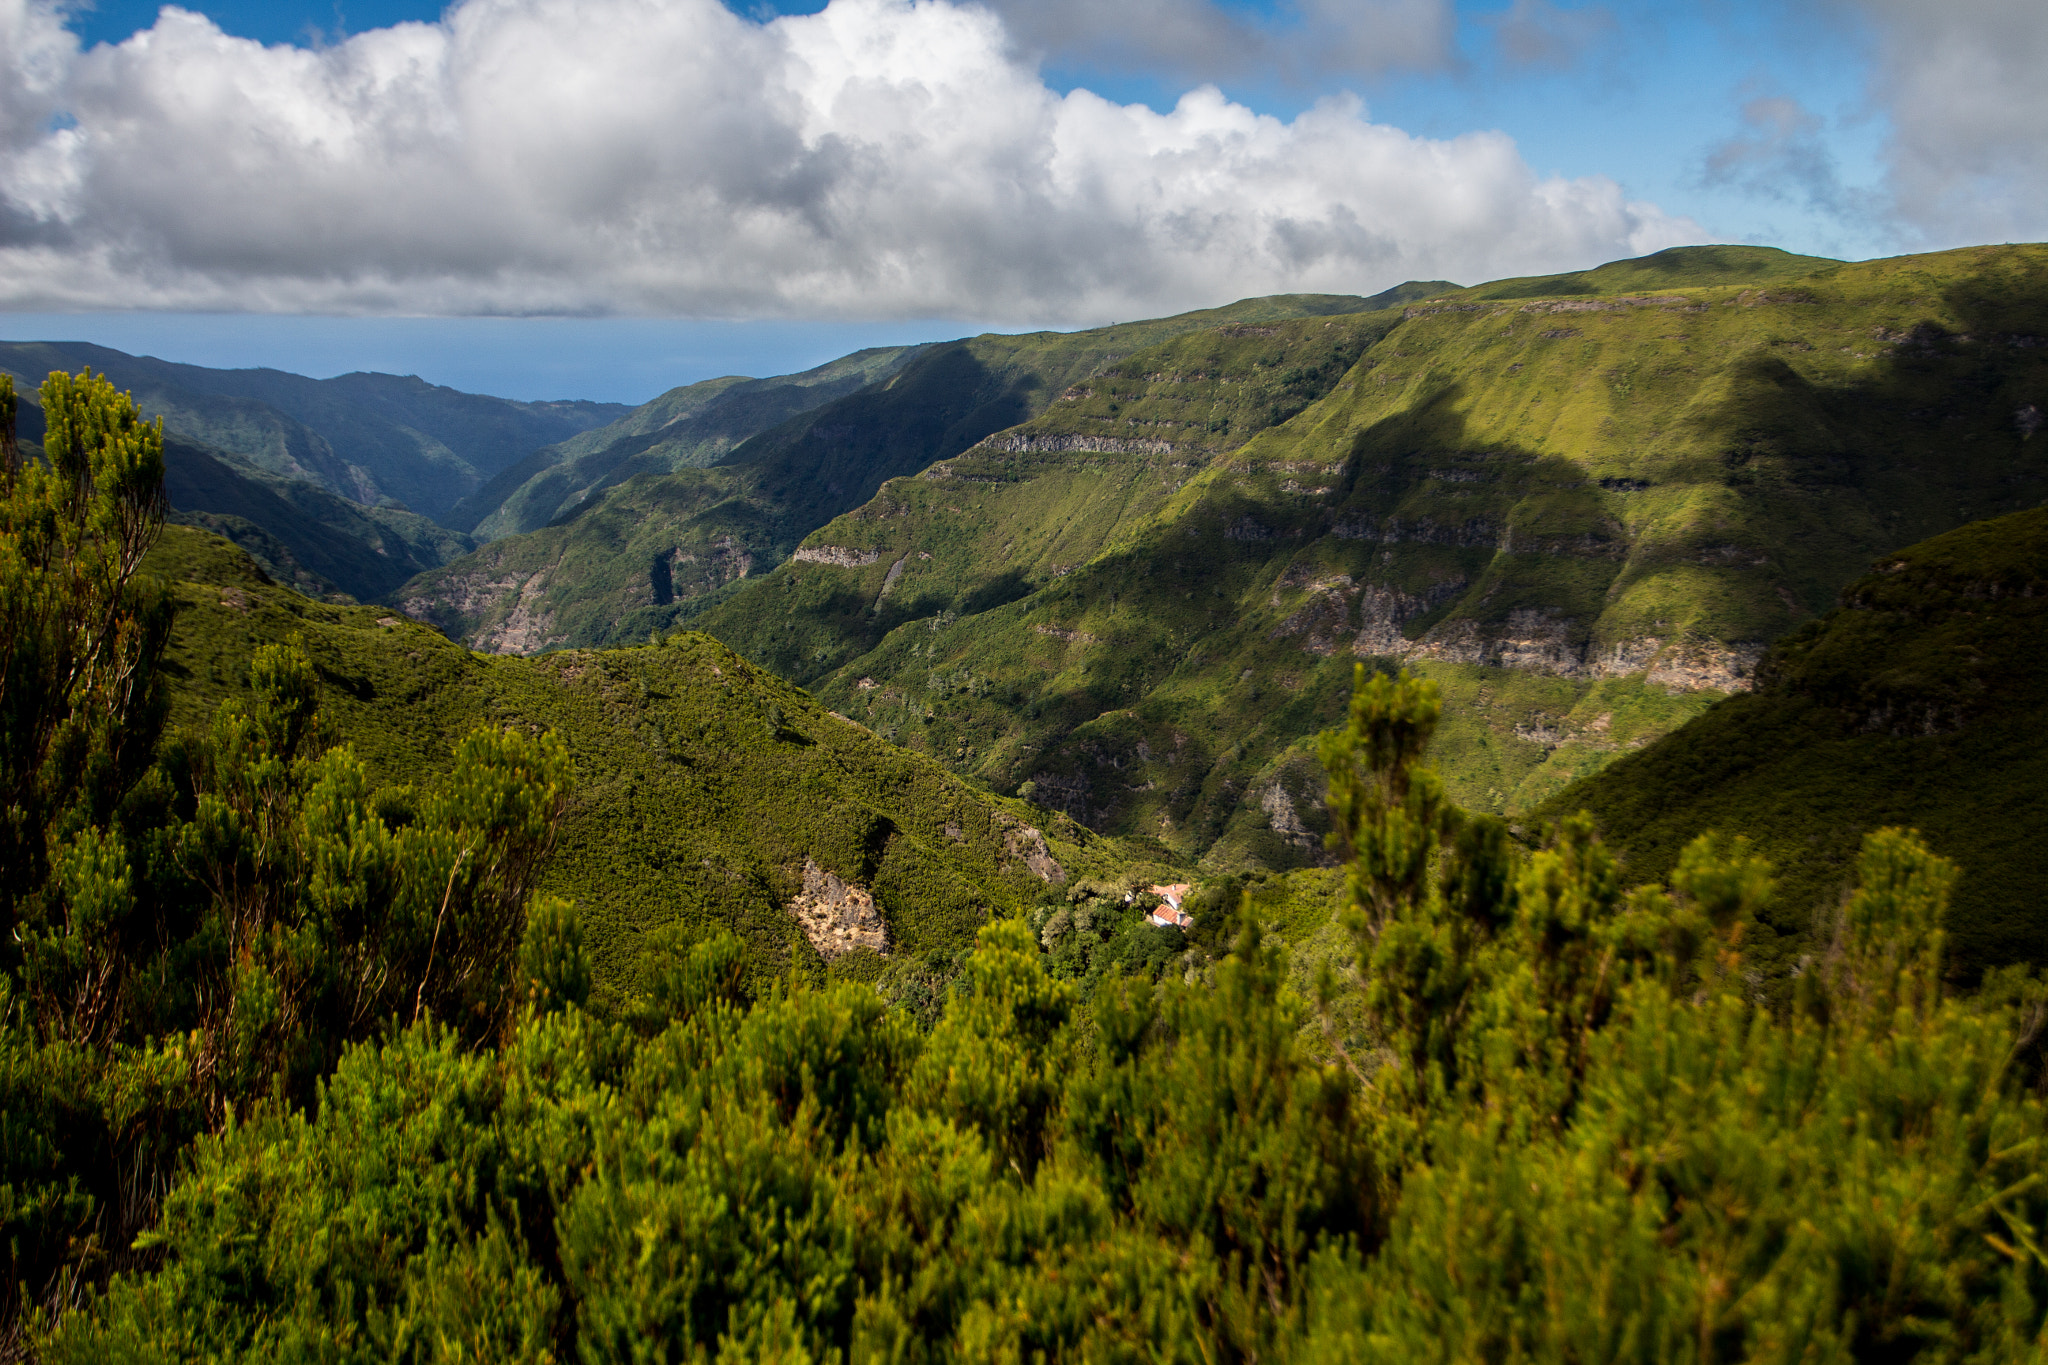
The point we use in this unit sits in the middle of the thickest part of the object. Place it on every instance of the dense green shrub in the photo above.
(196, 929)
(1577, 1136)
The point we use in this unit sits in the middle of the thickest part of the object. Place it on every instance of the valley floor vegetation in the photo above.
(293, 1067)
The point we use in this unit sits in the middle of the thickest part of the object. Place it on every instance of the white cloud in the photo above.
(881, 158)
(1962, 82)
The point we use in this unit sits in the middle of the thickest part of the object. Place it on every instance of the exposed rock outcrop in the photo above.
(725, 560)
(836, 554)
(1284, 818)
(1530, 640)
(889, 578)
(837, 916)
(1475, 531)
(527, 625)
(1024, 844)
(1542, 642)
(1695, 665)
(1107, 445)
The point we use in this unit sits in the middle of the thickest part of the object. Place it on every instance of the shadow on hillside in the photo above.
(832, 459)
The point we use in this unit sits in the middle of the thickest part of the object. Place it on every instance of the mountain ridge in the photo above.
(366, 437)
(685, 428)
(1585, 518)
(656, 547)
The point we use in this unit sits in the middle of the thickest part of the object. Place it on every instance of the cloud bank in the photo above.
(881, 158)
(1962, 81)
(1201, 40)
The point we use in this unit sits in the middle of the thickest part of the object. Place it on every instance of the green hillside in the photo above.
(1679, 267)
(1583, 516)
(702, 784)
(685, 428)
(1031, 504)
(370, 438)
(653, 548)
(1920, 701)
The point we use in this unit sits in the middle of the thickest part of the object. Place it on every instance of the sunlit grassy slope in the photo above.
(702, 783)
(651, 550)
(1921, 701)
(1583, 513)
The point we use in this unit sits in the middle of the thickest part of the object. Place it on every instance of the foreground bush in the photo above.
(1581, 1139)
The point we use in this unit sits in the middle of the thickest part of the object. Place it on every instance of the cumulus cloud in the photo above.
(880, 158)
(1962, 84)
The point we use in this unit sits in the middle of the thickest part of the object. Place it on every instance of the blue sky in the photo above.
(1803, 125)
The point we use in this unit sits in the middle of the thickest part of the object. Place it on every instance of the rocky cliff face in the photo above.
(837, 916)
(505, 607)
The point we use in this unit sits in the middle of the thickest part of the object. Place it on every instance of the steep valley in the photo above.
(1584, 514)
(686, 428)
(658, 547)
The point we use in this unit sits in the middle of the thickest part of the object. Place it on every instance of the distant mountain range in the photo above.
(341, 487)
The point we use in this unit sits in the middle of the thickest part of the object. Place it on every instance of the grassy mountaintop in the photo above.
(651, 549)
(703, 785)
(1920, 701)
(1584, 515)
(1678, 267)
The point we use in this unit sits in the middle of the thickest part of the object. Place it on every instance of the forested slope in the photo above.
(1922, 700)
(702, 784)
